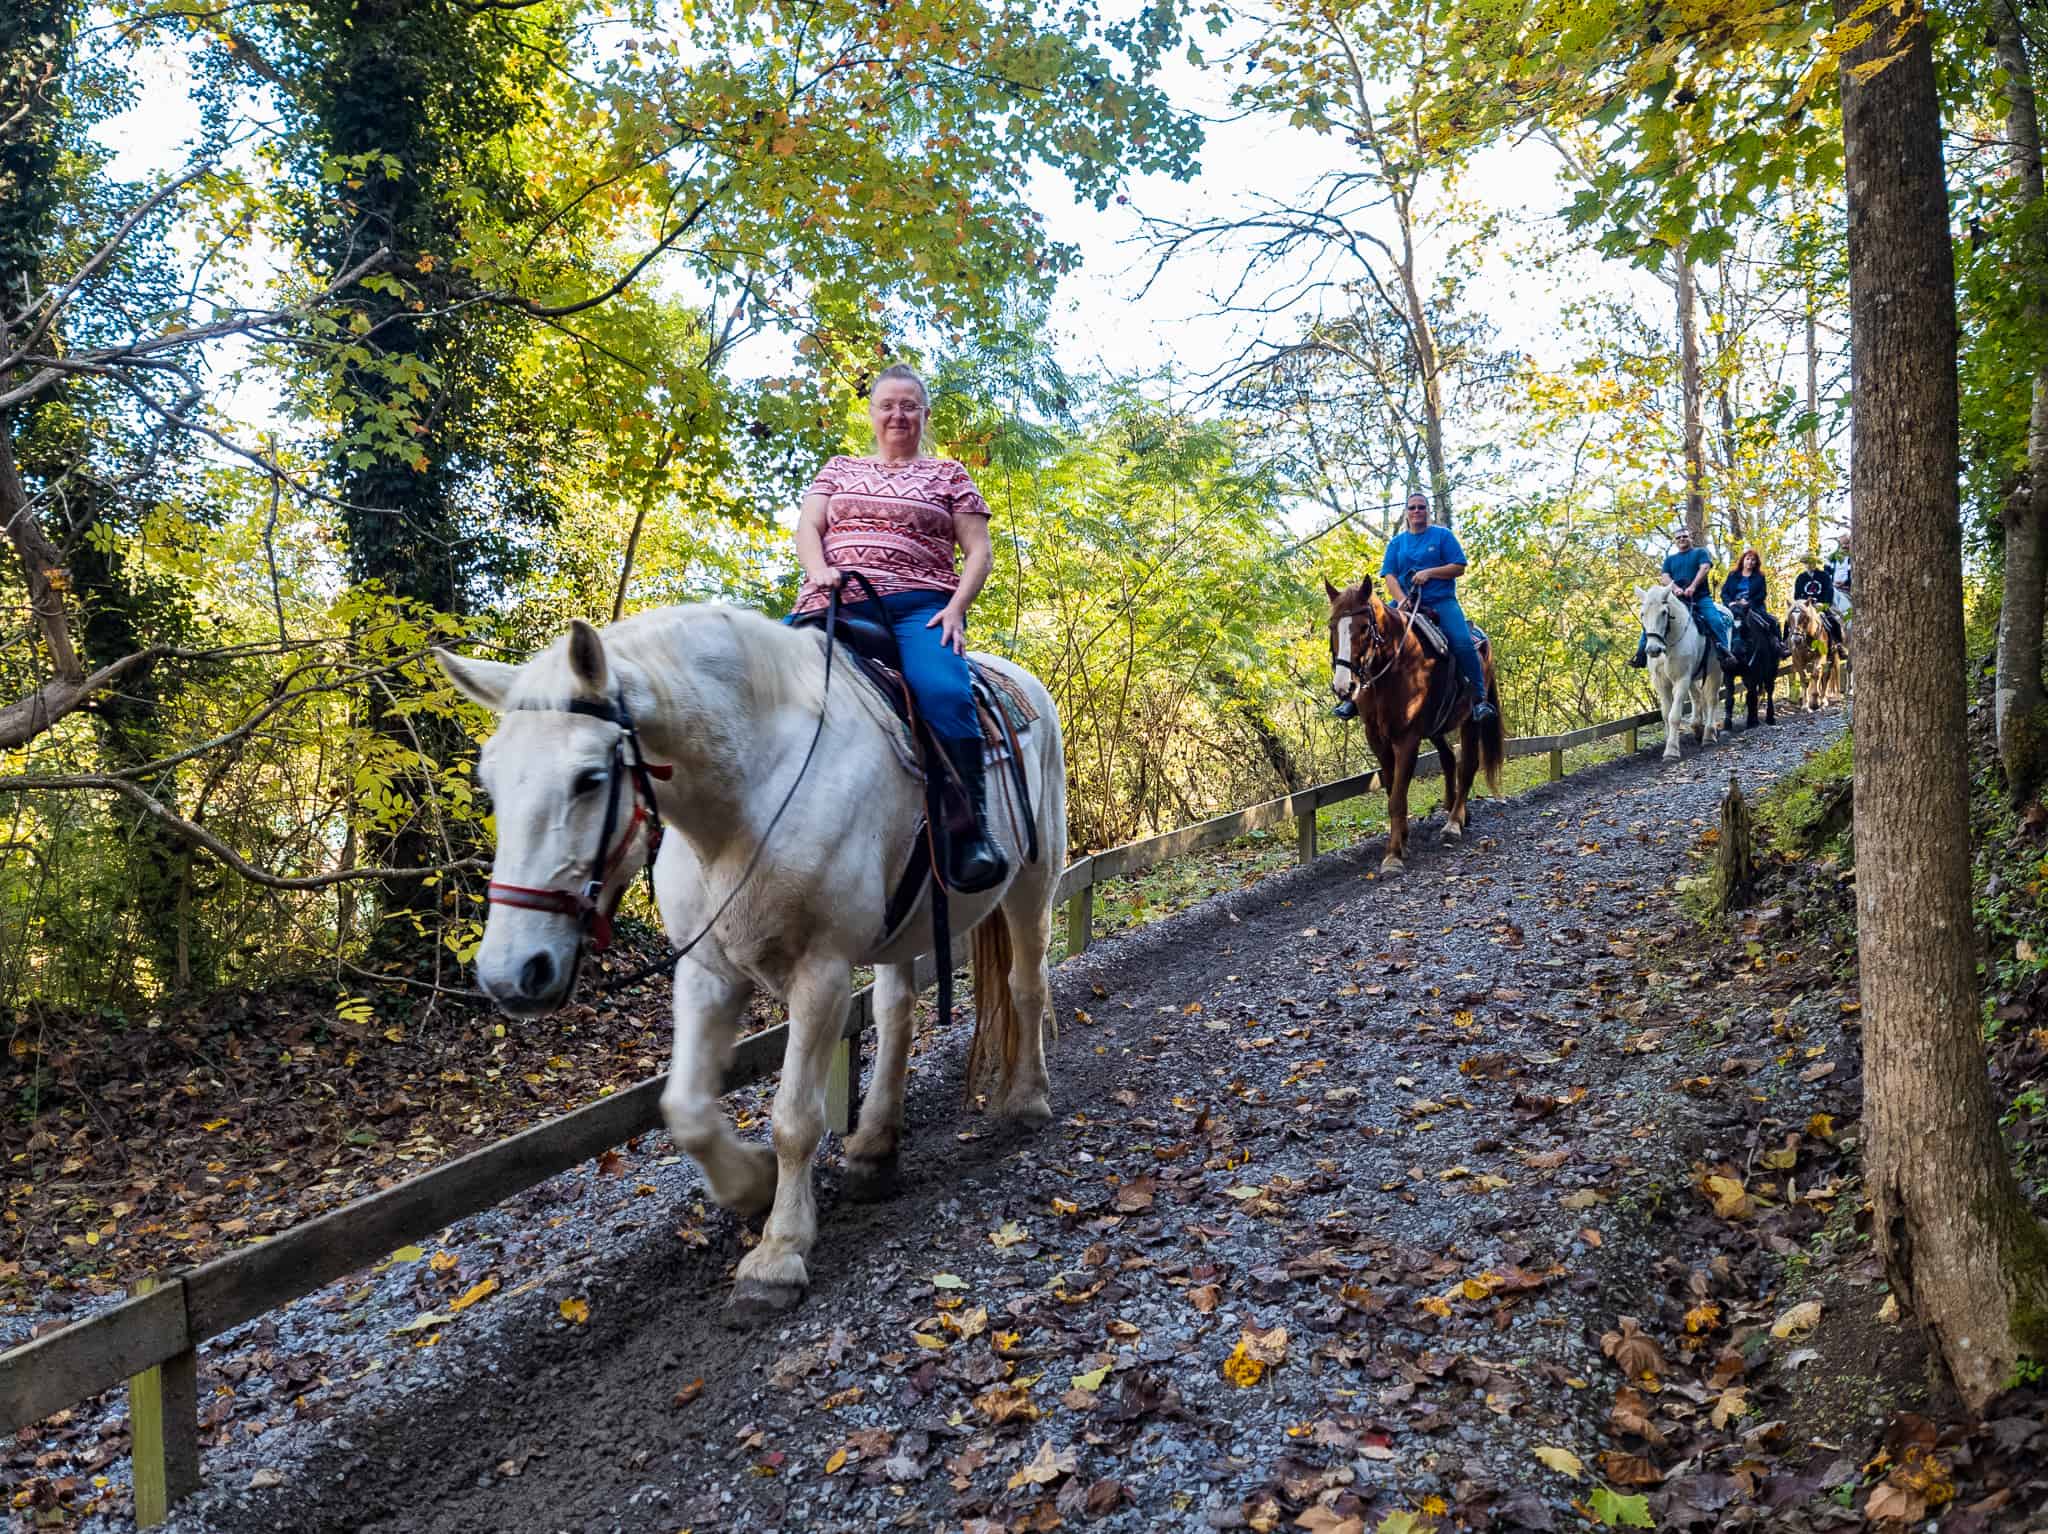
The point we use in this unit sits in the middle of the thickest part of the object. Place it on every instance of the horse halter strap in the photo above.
(587, 903)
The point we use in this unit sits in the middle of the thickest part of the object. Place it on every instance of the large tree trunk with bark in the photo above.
(2018, 702)
(1962, 1252)
(1691, 391)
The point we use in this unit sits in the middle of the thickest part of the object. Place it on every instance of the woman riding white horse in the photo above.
(714, 722)
(1684, 670)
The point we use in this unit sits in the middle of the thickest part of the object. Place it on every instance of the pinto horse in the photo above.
(1815, 667)
(1403, 694)
(775, 878)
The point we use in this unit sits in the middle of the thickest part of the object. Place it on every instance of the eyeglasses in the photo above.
(1418, 505)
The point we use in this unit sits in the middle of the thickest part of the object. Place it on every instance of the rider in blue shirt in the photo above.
(1421, 568)
(1685, 568)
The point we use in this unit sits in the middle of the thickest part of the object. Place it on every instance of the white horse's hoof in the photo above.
(754, 1302)
(1453, 832)
(1391, 864)
(1029, 1109)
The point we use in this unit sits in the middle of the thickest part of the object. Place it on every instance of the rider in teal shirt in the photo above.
(1421, 567)
(1686, 567)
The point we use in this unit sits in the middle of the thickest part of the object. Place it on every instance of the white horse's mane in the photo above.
(769, 661)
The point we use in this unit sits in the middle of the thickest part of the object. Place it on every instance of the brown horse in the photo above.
(1403, 693)
(1815, 667)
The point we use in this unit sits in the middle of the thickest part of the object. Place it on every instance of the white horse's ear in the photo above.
(586, 658)
(480, 681)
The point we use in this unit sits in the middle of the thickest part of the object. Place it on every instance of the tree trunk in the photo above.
(1690, 386)
(1812, 428)
(1960, 1249)
(2019, 706)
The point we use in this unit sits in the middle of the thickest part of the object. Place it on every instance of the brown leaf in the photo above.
(1136, 1195)
(1629, 1469)
(1205, 1297)
(688, 1393)
(1631, 1414)
(1047, 1466)
(1635, 1354)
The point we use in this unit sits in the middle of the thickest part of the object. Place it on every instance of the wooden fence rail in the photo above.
(150, 1340)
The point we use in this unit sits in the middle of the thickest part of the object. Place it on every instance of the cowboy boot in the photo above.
(1642, 656)
(973, 861)
(1346, 710)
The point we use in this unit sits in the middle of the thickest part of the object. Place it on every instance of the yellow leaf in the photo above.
(1798, 1321)
(1092, 1380)
(212, 1124)
(408, 1254)
(576, 1312)
(836, 1463)
(475, 1292)
(1240, 1368)
(441, 1262)
(1065, 1206)
(1010, 1235)
(928, 1342)
(1563, 1461)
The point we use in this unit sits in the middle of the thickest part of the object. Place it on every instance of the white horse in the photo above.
(1675, 645)
(725, 703)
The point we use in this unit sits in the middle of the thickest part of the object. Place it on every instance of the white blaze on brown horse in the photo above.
(1816, 668)
(1402, 693)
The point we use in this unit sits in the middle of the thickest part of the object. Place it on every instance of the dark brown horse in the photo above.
(1404, 693)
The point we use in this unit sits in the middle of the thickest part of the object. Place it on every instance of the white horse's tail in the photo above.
(998, 1030)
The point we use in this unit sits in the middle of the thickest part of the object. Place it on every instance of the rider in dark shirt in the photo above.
(1746, 585)
(1816, 584)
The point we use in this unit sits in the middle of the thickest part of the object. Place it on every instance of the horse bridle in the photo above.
(1663, 634)
(1375, 645)
(629, 764)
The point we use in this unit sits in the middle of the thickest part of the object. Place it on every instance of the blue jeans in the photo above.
(1717, 620)
(1450, 617)
(937, 677)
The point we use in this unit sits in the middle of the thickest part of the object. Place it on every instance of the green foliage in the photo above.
(1807, 811)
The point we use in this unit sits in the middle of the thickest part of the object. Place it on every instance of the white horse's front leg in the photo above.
(871, 1153)
(772, 1277)
(740, 1177)
(1671, 699)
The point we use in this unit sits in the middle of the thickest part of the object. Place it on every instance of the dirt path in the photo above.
(1391, 1117)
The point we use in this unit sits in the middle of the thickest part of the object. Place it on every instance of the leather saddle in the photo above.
(1449, 689)
(1004, 713)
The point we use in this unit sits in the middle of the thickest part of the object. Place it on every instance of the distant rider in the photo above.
(1747, 587)
(1685, 571)
(1421, 568)
(1816, 585)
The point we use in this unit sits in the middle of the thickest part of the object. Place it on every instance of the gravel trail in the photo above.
(1390, 1116)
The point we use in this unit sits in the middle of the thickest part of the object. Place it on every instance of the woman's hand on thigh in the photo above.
(952, 626)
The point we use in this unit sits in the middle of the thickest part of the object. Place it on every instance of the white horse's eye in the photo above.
(588, 781)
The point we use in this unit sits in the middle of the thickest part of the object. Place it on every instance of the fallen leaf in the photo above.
(1617, 1511)
(575, 1312)
(1318, 1519)
(1011, 1234)
(475, 1292)
(688, 1393)
(1798, 1321)
(1047, 1466)
(1563, 1461)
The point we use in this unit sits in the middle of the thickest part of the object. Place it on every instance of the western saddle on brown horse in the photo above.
(1405, 691)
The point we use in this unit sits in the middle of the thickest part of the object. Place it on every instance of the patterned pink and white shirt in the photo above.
(893, 522)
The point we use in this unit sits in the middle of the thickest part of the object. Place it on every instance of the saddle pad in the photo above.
(992, 689)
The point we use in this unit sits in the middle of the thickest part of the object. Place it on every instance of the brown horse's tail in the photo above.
(1493, 733)
(998, 1030)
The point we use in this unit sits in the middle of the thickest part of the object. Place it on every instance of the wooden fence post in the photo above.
(1081, 919)
(1556, 763)
(1633, 744)
(1305, 836)
(163, 1416)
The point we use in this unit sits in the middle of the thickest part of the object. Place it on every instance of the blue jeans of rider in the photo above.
(938, 678)
(1450, 617)
(1717, 620)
